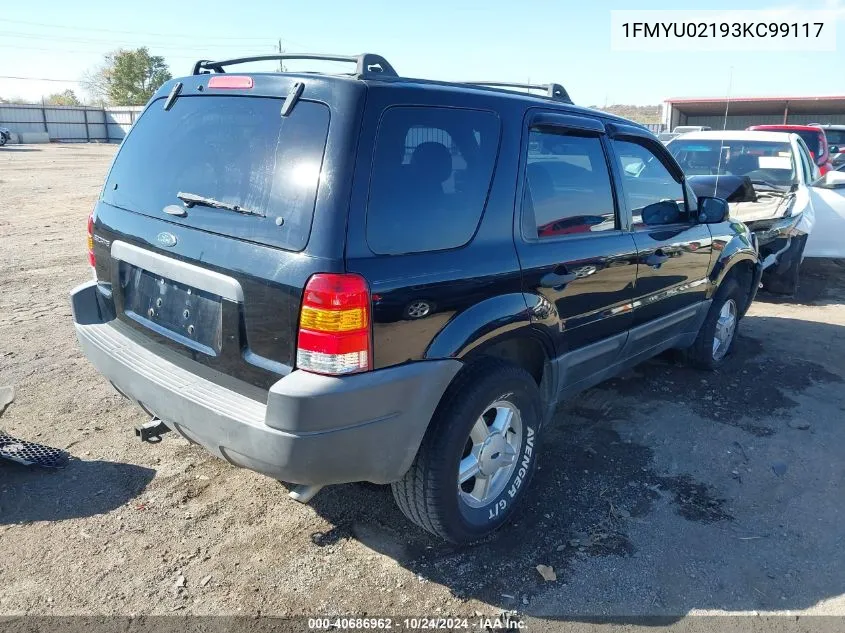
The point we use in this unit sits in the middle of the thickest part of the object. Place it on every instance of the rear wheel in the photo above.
(716, 337)
(478, 455)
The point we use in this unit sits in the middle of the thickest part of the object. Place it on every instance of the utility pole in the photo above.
(281, 63)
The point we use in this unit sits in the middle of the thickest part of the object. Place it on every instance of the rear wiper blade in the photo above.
(191, 199)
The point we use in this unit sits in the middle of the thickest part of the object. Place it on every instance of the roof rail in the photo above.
(367, 64)
(553, 91)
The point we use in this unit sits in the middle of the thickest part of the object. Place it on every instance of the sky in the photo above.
(542, 41)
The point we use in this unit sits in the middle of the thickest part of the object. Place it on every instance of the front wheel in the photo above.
(2, 140)
(478, 454)
(716, 337)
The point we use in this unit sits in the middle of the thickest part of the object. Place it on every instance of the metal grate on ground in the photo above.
(30, 453)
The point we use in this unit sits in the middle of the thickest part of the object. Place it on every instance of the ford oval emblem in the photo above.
(166, 239)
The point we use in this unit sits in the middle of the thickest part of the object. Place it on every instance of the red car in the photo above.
(812, 135)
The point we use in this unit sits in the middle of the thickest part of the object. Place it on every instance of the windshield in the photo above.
(766, 162)
(237, 151)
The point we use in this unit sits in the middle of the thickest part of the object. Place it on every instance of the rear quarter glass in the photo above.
(235, 149)
(431, 175)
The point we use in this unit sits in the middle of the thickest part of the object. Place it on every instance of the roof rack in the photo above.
(367, 64)
(553, 91)
(371, 65)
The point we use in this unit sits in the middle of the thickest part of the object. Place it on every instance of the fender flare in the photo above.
(730, 264)
(484, 323)
(739, 249)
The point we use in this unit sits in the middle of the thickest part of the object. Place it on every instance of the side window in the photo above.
(651, 192)
(431, 174)
(567, 185)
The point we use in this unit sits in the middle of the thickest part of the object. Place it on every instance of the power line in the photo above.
(67, 81)
(204, 53)
(116, 43)
(181, 35)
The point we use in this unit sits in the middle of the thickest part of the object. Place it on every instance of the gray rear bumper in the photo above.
(311, 430)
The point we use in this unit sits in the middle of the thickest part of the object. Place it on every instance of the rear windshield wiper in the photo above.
(191, 199)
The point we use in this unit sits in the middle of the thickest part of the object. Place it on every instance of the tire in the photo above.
(2, 140)
(703, 353)
(783, 280)
(430, 494)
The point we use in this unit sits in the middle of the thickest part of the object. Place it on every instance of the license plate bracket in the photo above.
(188, 315)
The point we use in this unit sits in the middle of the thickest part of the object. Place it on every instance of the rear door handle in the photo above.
(657, 258)
(559, 277)
(553, 280)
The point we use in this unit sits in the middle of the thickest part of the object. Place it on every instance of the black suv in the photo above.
(365, 277)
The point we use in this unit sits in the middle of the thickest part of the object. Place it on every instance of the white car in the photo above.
(686, 129)
(665, 137)
(773, 185)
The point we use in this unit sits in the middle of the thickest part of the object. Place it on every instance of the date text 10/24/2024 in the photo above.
(480, 623)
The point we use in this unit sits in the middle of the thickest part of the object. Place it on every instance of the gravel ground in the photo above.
(666, 491)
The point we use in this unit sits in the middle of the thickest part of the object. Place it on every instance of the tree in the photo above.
(127, 77)
(63, 98)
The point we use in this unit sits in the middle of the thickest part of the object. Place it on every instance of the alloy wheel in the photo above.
(419, 309)
(725, 329)
(490, 454)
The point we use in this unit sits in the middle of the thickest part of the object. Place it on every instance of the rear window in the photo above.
(431, 174)
(236, 150)
(568, 184)
(811, 139)
(835, 137)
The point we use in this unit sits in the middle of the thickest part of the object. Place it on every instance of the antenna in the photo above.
(724, 129)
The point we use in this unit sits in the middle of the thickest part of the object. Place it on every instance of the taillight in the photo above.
(92, 259)
(334, 325)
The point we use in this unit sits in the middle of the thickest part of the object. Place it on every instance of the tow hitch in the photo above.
(303, 493)
(151, 431)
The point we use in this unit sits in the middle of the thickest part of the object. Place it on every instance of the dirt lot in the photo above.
(666, 491)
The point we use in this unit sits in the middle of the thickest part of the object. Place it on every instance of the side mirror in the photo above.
(661, 213)
(634, 169)
(712, 210)
(831, 180)
(834, 149)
